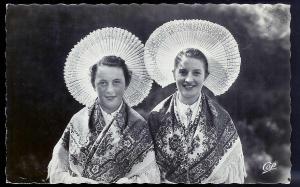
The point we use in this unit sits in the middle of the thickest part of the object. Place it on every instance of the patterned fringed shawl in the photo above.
(207, 151)
(91, 149)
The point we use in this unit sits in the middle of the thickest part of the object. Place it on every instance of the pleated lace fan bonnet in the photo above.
(104, 42)
(213, 40)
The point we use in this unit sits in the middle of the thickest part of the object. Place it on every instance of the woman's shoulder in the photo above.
(134, 116)
(80, 118)
(136, 122)
(216, 108)
(164, 104)
(82, 112)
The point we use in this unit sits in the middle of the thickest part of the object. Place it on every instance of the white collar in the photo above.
(181, 109)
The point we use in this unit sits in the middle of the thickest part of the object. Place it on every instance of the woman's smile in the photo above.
(110, 98)
(188, 86)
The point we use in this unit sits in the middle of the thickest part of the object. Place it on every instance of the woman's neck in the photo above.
(187, 101)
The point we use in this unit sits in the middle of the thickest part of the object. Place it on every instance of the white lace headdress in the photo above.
(104, 42)
(213, 40)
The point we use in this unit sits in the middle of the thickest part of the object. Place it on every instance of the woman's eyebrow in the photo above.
(180, 65)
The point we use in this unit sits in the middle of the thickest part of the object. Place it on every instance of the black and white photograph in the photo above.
(148, 93)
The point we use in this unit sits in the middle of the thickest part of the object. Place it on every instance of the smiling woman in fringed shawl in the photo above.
(195, 139)
(107, 141)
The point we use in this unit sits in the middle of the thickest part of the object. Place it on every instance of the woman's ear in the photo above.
(93, 84)
(206, 75)
(173, 71)
(129, 78)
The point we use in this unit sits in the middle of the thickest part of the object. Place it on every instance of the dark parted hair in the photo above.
(112, 61)
(192, 53)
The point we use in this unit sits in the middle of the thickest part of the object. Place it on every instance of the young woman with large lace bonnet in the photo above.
(195, 139)
(107, 141)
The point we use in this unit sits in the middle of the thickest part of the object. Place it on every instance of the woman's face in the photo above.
(189, 76)
(110, 87)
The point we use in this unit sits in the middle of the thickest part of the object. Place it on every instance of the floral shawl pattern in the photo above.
(189, 155)
(105, 152)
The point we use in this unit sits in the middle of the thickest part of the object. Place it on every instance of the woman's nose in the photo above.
(189, 78)
(110, 88)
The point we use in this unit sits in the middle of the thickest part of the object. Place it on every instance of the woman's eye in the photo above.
(116, 81)
(102, 83)
(183, 72)
(197, 73)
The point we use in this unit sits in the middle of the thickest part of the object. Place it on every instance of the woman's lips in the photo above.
(189, 86)
(110, 97)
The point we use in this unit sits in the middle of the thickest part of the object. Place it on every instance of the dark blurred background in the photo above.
(39, 38)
